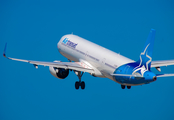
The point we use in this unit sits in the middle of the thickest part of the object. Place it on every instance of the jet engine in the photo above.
(60, 73)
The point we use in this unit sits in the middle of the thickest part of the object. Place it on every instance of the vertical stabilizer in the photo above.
(146, 54)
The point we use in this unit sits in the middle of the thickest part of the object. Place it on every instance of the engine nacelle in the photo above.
(60, 73)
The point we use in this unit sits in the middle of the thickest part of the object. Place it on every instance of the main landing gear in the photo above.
(123, 87)
(79, 83)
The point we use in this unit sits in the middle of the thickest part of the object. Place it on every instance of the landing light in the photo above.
(36, 66)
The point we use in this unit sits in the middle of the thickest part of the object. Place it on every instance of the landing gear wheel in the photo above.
(77, 84)
(128, 87)
(123, 86)
(82, 85)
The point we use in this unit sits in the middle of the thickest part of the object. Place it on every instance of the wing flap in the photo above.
(78, 66)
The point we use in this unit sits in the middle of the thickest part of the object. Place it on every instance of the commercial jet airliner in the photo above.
(85, 56)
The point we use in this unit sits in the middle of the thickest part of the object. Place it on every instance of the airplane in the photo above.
(85, 56)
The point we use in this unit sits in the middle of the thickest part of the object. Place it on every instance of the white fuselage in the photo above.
(104, 61)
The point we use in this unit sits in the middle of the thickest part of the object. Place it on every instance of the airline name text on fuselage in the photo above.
(69, 43)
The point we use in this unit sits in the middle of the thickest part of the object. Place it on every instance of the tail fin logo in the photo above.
(145, 59)
(144, 62)
(146, 55)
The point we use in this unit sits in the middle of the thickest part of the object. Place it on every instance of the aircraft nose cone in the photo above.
(154, 78)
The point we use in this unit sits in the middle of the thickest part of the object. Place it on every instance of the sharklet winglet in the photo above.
(4, 53)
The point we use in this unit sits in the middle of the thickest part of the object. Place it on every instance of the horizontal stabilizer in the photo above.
(164, 75)
(127, 75)
(162, 63)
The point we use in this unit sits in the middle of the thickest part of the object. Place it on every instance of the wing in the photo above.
(162, 63)
(78, 66)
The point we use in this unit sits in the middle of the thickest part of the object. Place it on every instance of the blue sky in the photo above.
(32, 29)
